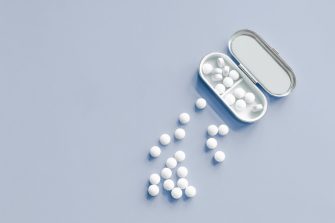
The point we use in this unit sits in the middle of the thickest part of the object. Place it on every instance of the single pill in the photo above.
(249, 97)
(182, 172)
(219, 156)
(154, 178)
(230, 99)
(184, 118)
(220, 62)
(258, 107)
(217, 71)
(226, 70)
(155, 151)
(190, 191)
(220, 88)
(165, 139)
(228, 82)
(201, 103)
(179, 133)
(223, 130)
(234, 75)
(166, 173)
(207, 68)
(168, 184)
(212, 130)
(171, 163)
(211, 143)
(180, 156)
(176, 193)
(217, 77)
(182, 183)
(153, 190)
(239, 93)
(240, 105)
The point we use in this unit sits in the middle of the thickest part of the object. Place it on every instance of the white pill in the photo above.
(234, 75)
(176, 193)
(249, 97)
(230, 99)
(180, 156)
(211, 143)
(207, 68)
(154, 178)
(226, 70)
(166, 173)
(165, 139)
(190, 191)
(212, 130)
(220, 62)
(217, 71)
(184, 118)
(239, 93)
(217, 77)
(168, 184)
(182, 183)
(201, 103)
(223, 130)
(171, 163)
(240, 105)
(220, 88)
(228, 82)
(182, 172)
(153, 190)
(219, 156)
(179, 133)
(155, 151)
(256, 108)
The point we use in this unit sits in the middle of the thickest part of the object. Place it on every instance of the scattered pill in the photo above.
(220, 88)
(201, 103)
(154, 178)
(182, 183)
(228, 82)
(223, 130)
(171, 163)
(166, 173)
(234, 75)
(168, 184)
(180, 156)
(153, 190)
(207, 68)
(230, 99)
(258, 107)
(165, 139)
(182, 172)
(239, 93)
(212, 130)
(211, 143)
(190, 191)
(226, 70)
(179, 133)
(184, 118)
(217, 77)
(217, 71)
(219, 156)
(155, 151)
(240, 105)
(176, 193)
(249, 97)
(220, 62)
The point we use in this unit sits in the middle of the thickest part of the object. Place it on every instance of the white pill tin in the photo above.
(257, 64)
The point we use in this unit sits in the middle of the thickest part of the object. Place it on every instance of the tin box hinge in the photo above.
(248, 73)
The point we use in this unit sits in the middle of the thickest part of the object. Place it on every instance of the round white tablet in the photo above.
(168, 184)
(176, 193)
(179, 133)
(223, 130)
(220, 88)
(171, 163)
(230, 99)
(234, 75)
(239, 93)
(258, 107)
(201, 103)
(190, 191)
(154, 178)
(165, 139)
(249, 97)
(184, 118)
(155, 151)
(219, 156)
(182, 172)
(207, 68)
(240, 105)
(153, 190)
(216, 77)
(211, 143)
(166, 173)
(226, 70)
(212, 130)
(180, 156)
(228, 82)
(220, 62)
(182, 183)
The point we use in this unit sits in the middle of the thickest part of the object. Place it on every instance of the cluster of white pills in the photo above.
(241, 99)
(212, 143)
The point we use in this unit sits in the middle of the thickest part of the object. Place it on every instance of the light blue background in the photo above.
(87, 87)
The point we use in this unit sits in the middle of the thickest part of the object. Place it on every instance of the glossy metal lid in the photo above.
(262, 63)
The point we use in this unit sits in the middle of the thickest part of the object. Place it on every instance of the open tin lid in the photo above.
(262, 63)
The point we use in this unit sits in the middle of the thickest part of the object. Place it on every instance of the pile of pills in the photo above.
(240, 99)
(212, 143)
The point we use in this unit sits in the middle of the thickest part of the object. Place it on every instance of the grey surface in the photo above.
(86, 87)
